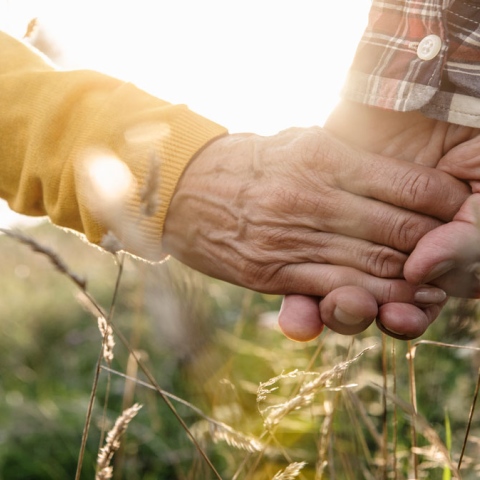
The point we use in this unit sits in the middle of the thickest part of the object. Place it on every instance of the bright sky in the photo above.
(251, 65)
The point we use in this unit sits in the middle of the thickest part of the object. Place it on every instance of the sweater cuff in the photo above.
(156, 144)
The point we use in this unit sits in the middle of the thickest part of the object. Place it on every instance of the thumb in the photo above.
(299, 317)
(347, 310)
(463, 161)
(447, 255)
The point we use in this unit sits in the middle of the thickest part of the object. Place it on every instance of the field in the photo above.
(223, 394)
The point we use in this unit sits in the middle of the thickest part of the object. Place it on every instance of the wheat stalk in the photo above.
(306, 392)
(108, 340)
(220, 431)
(423, 427)
(112, 444)
(290, 472)
(216, 429)
(55, 259)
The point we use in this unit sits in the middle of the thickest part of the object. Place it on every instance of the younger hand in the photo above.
(449, 256)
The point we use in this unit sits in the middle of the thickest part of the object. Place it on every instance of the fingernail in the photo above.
(346, 318)
(439, 270)
(428, 295)
(393, 333)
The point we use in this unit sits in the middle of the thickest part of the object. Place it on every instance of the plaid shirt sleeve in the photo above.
(420, 55)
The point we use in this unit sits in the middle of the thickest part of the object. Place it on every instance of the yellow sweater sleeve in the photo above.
(56, 126)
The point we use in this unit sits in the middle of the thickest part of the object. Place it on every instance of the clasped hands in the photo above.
(352, 222)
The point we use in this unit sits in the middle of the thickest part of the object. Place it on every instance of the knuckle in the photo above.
(258, 273)
(420, 190)
(388, 293)
(330, 281)
(384, 262)
(408, 229)
(280, 281)
(413, 186)
(251, 274)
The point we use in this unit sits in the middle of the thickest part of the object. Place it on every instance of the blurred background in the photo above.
(248, 65)
(257, 66)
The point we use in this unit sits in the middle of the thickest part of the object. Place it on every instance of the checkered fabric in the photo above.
(420, 55)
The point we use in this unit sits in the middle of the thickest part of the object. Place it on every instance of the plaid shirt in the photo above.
(420, 55)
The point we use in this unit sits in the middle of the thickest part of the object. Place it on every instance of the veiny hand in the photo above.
(410, 137)
(300, 212)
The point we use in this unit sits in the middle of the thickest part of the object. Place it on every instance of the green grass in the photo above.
(212, 345)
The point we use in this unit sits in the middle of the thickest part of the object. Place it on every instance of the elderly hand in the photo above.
(410, 137)
(301, 212)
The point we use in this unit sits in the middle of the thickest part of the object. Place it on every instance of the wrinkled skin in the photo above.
(443, 257)
(304, 213)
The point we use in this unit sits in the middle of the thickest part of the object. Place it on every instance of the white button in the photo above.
(429, 47)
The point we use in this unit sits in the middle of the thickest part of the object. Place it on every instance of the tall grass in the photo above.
(224, 394)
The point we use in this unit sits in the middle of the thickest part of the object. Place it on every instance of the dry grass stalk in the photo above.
(306, 392)
(291, 472)
(111, 243)
(169, 404)
(413, 399)
(325, 432)
(441, 344)
(477, 387)
(470, 419)
(112, 444)
(108, 340)
(219, 431)
(395, 416)
(434, 458)
(56, 261)
(31, 27)
(234, 438)
(263, 391)
(149, 194)
(428, 432)
(81, 283)
(88, 303)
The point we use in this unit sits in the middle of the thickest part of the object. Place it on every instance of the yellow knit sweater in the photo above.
(58, 127)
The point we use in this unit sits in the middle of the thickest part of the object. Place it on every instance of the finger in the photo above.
(463, 161)
(448, 255)
(299, 318)
(441, 251)
(320, 280)
(348, 310)
(460, 282)
(410, 186)
(457, 281)
(304, 245)
(406, 321)
(370, 220)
